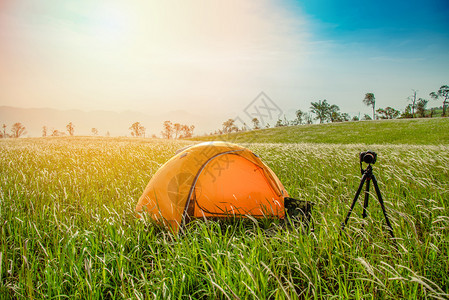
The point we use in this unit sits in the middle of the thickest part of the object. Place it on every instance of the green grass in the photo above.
(433, 131)
(67, 226)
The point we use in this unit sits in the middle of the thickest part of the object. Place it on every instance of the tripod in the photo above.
(367, 175)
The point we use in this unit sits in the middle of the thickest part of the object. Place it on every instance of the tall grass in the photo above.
(68, 227)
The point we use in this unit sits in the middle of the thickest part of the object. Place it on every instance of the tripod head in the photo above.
(368, 157)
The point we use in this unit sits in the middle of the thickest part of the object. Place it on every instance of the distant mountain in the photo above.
(116, 123)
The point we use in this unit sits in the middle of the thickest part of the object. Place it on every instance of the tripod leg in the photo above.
(362, 181)
(365, 203)
(381, 201)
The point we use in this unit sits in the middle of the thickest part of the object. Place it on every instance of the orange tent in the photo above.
(212, 179)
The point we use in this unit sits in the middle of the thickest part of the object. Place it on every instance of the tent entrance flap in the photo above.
(231, 185)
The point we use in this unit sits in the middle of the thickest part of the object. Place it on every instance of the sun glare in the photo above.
(110, 24)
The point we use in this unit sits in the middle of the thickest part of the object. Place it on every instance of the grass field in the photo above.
(428, 131)
(67, 227)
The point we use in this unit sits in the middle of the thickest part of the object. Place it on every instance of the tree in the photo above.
(345, 117)
(256, 123)
(286, 122)
(299, 117)
(44, 131)
(334, 113)
(56, 132)
(187, 131)
(308, 118)
(4, 130)
(321, 110)
(70, 128)
(279, 123)
(167, 133)
(370, 100)
(94, 131)
(18, 130)
(366, 117)
(442, 93)
(421, 107)
(388, 113)
(413, 99)
(407, 112)
(177, 128)
(137, 129)
(432, 112)
(228, 126)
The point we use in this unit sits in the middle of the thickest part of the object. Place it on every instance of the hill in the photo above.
(433, 131)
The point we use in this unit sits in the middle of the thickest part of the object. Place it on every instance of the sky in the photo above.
(215, 57)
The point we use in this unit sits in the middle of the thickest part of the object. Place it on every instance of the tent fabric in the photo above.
(212, 179)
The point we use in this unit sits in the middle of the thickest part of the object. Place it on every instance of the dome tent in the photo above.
(212, 179)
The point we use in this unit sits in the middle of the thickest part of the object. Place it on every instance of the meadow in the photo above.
(68, 229)
(422, 131)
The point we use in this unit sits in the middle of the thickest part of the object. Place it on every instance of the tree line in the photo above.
(320, 110)
(16, 131)
(324, 112)
(170, 130)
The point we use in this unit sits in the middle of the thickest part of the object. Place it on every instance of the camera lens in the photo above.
(368, 158)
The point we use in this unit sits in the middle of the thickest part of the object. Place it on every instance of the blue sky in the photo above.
(386, 47)
(395, 28)
(392, 19)
(214, 57)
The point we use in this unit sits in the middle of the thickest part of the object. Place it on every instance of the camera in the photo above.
(368, 157)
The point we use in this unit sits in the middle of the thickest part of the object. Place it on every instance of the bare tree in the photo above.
(413, 99)
(44, 131)
(4, 130)
(70, 128)
(168, 130)
(18, 130)
(94, 131)
(370, 100)
(442, 93)
(137, 129)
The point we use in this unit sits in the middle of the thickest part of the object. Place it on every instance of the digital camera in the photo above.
(368, 157)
